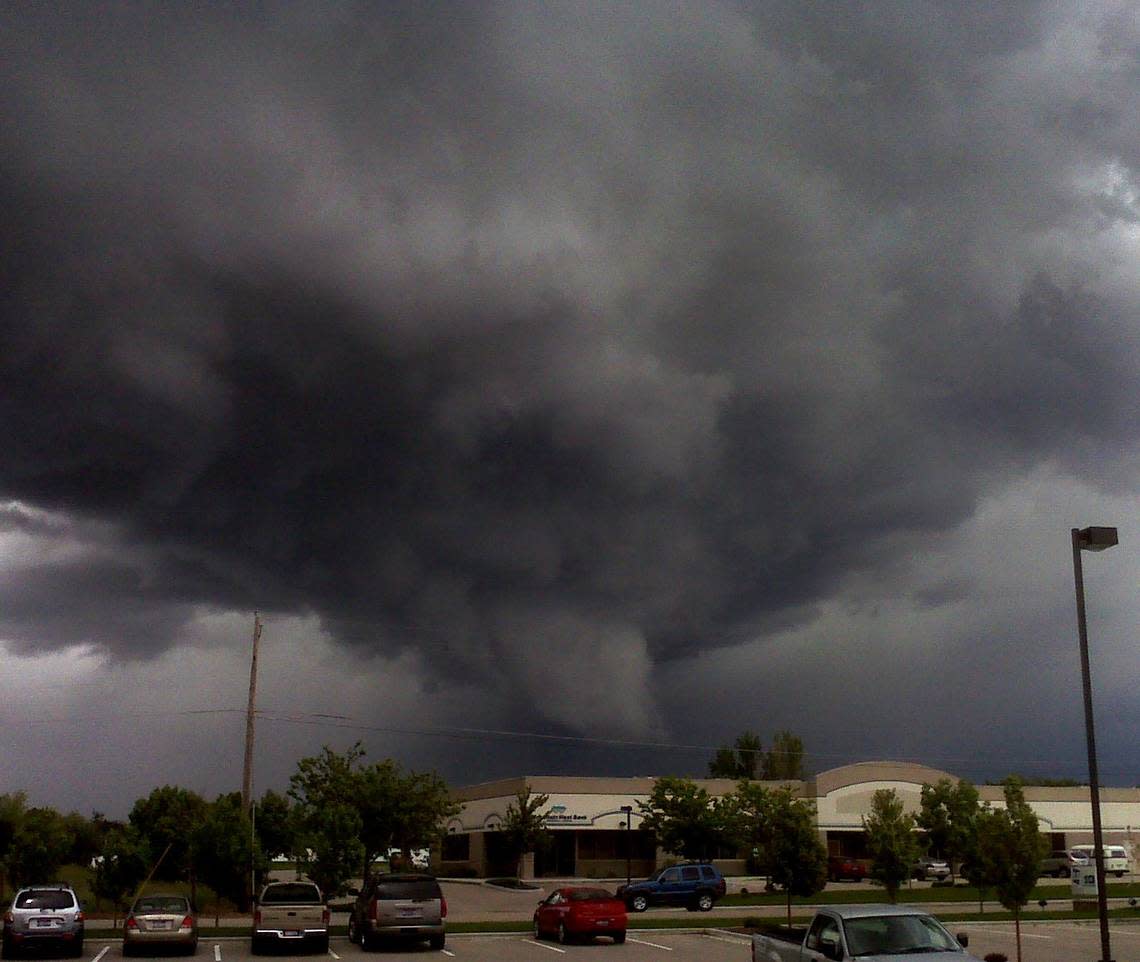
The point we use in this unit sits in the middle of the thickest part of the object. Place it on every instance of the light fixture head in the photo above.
(1097, 538)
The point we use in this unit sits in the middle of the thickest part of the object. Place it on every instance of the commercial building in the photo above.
(595, 822)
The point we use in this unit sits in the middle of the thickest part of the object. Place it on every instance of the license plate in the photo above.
(292, 933)
(161, 924)
(603, 922)
(45, 923)
(410, 913)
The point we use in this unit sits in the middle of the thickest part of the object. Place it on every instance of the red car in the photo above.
(841, 867)
(579, 912)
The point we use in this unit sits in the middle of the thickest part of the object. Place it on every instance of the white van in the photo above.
(1115, 858)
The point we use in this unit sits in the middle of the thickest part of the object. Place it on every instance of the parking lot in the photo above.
(1041, 942)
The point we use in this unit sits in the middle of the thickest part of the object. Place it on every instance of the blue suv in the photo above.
(695, 885)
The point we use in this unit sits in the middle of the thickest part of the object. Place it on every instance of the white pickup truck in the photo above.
(891, 933)
(290, 913)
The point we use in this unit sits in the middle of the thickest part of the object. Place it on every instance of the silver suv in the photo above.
(42, 914)
(405, 906)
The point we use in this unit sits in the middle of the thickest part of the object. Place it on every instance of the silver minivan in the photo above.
(399, 906)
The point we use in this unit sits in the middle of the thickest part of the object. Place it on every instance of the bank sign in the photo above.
(557, 815)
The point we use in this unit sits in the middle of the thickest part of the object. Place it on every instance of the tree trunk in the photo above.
(1017, 931)
(789, 903)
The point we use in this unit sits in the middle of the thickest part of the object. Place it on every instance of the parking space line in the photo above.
(543, 945)
(725, 938)
(333, 954)
(102, 952)
(217, 952)
(630, 938)
(447, 952)
(1009, 933)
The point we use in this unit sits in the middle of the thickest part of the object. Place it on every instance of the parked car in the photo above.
(168, 920)
(841, 867)
(930, 868)
(289, 913)
(44, 915)
(1060, 863)
(406, 905)
(1115, 857)
(695, 885)
(580, 912)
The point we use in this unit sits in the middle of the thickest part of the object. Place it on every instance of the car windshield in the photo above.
(161, 903)
(589, 895)
(896, 935)
(39, 899)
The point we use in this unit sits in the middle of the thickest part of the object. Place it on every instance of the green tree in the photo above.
(423, 806)
(326, 821)
(797, 857)
(524, 825)
(748, 819)
(686, 820)
(168, 820)
(12, 809)
(273, 826)
(1010, 848)
(329, 850)
(785, 759)
(225, 853)
(743, 760)
(949, 818)
(39, 846)
(119, 868)
(890, 841)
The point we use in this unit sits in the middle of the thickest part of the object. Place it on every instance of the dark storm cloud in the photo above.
(497, 326)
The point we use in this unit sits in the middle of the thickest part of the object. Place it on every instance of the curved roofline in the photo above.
(878, 771)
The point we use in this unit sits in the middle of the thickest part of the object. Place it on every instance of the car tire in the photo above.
(537, 932)
(369, 941)
(639, 903)
(322, 944)
(77, 949)
(7, 950)
(563, 935)
(353, 932)
(619, 937)
(256, 946)
(192, 948)
(704, 901)
(437, 942)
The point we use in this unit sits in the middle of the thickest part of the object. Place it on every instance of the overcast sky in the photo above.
(570, 386)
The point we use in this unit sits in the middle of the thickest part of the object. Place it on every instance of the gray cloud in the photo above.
(618, 332)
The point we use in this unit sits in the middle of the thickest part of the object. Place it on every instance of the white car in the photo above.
(1115, 858)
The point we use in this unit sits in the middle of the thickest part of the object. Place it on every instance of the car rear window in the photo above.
(291, 893)
(38, 899)
(407, 888)
(590, 895)
(158, 903)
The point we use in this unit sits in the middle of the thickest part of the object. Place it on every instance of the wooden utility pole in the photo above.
(247, 772)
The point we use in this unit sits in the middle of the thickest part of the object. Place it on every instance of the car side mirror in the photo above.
(963, 939)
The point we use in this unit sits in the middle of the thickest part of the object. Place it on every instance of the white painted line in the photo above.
(217, 952)
(737, 940)
(333, 954)
(543, 945)
(1010, 933)
(102, 952)
(446, 952)
(654, 944)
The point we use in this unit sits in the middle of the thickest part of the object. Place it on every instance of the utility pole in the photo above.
(247, 772)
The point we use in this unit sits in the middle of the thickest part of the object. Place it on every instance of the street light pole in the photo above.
(628, 809)
(1092, 539)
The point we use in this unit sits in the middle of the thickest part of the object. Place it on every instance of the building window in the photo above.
(456, 848)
